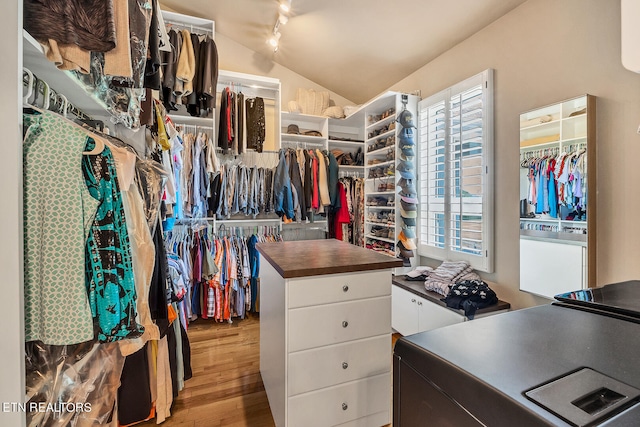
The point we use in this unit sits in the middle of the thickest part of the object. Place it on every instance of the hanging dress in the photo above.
(58, 211)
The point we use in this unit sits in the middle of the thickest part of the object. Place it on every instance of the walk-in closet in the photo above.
(291, 213)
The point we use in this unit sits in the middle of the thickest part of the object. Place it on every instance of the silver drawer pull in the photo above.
(345, 324)
(419, 302)
(345, 365)
(345, 288)
(344, 406)
(413, 300)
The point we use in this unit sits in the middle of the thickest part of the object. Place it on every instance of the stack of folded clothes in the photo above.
(418, 274)
(448, 274)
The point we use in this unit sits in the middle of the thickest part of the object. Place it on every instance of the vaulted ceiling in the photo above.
(355, 48)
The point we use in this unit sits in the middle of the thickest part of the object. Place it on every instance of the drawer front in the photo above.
(336, 364)
(308, 291)
(341, 404)
(312, 327)
(375, 420)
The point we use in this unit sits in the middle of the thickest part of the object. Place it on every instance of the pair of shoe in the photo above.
(381, 143)
(382, 130)
(386, 186)
(377, 117)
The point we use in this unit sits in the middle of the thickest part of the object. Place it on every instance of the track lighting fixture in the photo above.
(274, 40)
(285, 6)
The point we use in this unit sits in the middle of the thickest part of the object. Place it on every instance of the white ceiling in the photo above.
(355, 48)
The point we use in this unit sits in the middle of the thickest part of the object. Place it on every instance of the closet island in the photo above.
(325, 333)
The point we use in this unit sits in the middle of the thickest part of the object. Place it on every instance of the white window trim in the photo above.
(484, 262)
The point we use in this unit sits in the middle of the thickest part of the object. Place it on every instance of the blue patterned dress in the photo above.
(109, 267)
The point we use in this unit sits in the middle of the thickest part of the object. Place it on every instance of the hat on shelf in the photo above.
(408, 214)
(293, 129)
(407, 151)
(312, 133)
(408, 206)
(410, 232)
(407, 185)
(404, 252)
(411, 222)
(405, 118)
(406, 137)
(406, 169)
(406, 241)
(409, 198)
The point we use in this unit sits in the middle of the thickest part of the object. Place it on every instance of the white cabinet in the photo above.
(325, 347)
(412, 314)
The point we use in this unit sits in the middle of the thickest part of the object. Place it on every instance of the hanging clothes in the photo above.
(255, 123)
(58, 211)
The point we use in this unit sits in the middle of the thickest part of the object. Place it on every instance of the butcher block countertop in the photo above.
(317, 257)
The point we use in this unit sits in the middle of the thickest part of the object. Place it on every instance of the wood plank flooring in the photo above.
(226, 388)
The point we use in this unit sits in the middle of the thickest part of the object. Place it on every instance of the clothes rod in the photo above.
(249, 220)
(187, 26)
(248, 86)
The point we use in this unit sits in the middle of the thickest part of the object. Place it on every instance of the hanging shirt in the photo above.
(58, 211)
(109, 266)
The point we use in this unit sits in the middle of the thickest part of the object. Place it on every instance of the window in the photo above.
(456, 173)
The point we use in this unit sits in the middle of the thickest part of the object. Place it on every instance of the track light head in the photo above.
(285, 6)
(274, 40)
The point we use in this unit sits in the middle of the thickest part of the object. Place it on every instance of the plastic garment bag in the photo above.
(73, 385)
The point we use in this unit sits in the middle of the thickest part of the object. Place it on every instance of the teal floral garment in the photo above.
(109, 267)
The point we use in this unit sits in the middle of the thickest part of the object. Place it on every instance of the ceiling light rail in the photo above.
(283, 18)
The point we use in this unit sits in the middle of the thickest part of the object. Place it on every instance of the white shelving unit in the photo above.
(380, 158)
(305, 123)
(563, 127)
(347, 135)
(197, 26)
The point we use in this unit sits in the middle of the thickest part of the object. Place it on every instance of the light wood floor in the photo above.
(226, 388)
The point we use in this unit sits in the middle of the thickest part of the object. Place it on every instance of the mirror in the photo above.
(557, 197)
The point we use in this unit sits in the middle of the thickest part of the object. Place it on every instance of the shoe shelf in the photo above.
(381, 151)
(381, 208)
(382, 239)
(386, 177)
(382, 122)
(382, 135)
(376, 165)
(380, 193)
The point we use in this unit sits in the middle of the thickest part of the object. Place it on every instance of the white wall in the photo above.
(12, 330)
(545, 51)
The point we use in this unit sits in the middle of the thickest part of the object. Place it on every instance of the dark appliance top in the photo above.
(488, 365)
(622, 299)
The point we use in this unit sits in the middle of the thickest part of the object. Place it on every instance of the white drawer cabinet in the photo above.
(328, 324)
(330, 288)
(338, 363)
(325, 346)
(337, 405)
